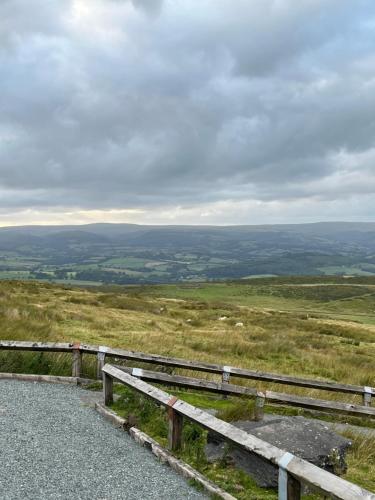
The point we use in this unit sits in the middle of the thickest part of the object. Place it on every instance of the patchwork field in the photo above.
(125, 254)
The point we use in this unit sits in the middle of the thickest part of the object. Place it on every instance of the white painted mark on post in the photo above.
(137, 372)
(283, 475)
(367, 395)
(260, 400)
(226, 374)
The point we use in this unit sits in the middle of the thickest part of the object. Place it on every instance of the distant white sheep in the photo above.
(239, 324)
(223, 318)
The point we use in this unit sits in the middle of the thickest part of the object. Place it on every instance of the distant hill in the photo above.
(130, 253)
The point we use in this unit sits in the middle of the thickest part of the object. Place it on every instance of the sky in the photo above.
(186, 111)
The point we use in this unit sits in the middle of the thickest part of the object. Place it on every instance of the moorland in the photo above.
(318, 327)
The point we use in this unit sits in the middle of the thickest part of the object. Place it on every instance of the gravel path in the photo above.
(52, 446)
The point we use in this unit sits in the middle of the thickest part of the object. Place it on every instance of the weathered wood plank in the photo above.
(193, 365)
(366, 398)
(107, 389)
(320, 404)
(175, 425)
(289, 487)
(189, 382)
(293, 488)
(325, 482)
(233, 371)
(77, 360)
(187, 410)
(259, 407)
(299, 382)
(35, 346)
(301, 470)
(236, 390)
(100, 361)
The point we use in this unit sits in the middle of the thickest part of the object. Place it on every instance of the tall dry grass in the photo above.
(269, 340)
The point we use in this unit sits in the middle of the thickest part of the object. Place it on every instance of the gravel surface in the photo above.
(53, 446)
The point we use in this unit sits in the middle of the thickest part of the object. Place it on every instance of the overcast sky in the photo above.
(186, 111)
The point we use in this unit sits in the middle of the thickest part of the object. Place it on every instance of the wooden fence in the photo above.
(260, 396)
(226, 373)
(293, 471)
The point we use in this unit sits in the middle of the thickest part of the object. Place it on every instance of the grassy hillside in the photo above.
(335, 297)
(286, 327)
(309, 327)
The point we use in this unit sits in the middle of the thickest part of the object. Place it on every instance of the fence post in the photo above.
(225, 378)
(259, 406)
(289, 487)
(100, 361)
(226, 375)
(107, 389)
(367, 393)
(175, 425)
(77, 360)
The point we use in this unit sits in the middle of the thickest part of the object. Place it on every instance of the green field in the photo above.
(125, 254)
(348, 299)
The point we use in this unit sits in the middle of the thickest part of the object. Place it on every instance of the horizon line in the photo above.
(39, 225)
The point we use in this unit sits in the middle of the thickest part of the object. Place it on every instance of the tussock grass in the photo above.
(271, 340)
(361, 460)
(288, 339)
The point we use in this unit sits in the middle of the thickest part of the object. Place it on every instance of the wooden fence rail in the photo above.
(238, 390)
(230, 371)
(226, 372)
(293, 471)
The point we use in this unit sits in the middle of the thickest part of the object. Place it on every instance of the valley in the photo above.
(126, 254)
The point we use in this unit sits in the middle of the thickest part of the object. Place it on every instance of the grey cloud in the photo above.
(124, 104)
(150, 6)
(20, 19)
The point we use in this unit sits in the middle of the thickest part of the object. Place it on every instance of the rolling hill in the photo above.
(130, 253)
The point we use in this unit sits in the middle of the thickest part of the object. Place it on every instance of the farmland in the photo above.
(129, 254)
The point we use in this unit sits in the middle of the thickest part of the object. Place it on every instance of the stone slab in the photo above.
(308, 439)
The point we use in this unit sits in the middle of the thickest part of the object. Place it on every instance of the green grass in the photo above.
(346, 270)
(361, 461)
(153, 420)
(346, 300)
(130, 262)
(9, 275)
